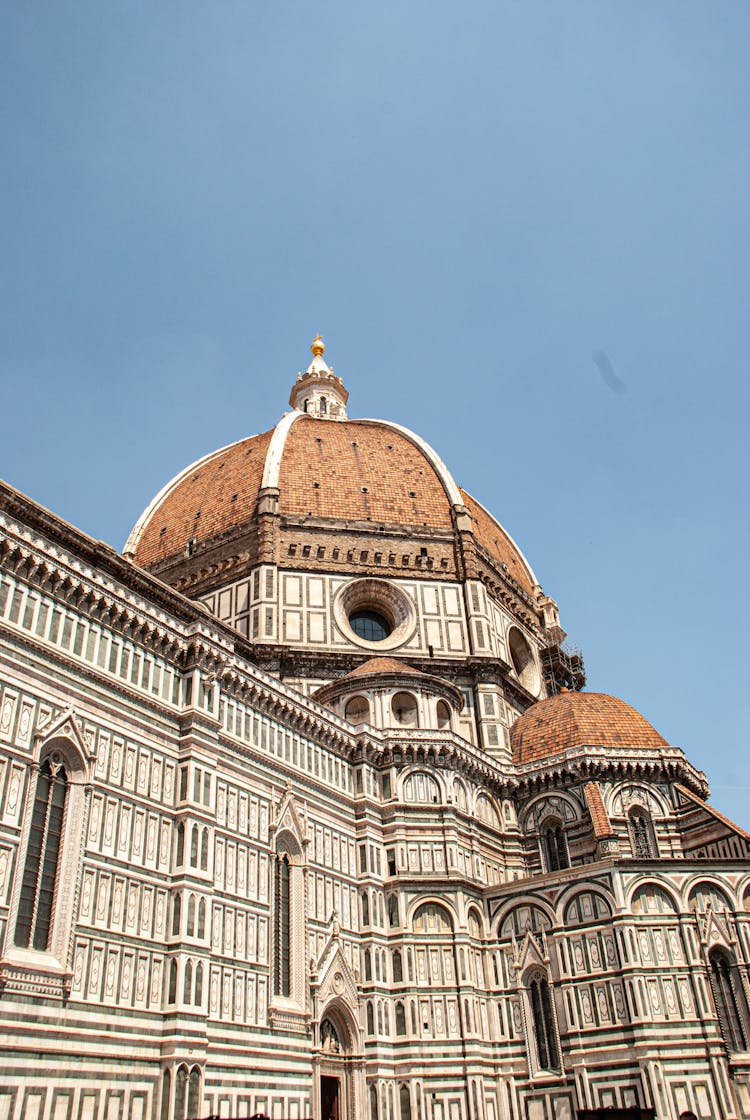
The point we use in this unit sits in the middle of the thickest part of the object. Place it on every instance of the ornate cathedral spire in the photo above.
(318, 391)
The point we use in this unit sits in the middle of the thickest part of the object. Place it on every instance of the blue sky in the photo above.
(521, 227)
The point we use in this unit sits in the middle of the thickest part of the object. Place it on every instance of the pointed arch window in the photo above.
(191, 916)
(404, 1100)
(554, 846)
(176, 914)
(194, 1092)
(545, 1043)
(282, 962)
(172, 986)
(641, 829)
(165, 1090)
(187, 984)
(43, 851)
(400, 1019)
(180, 1093)
(731, 1007)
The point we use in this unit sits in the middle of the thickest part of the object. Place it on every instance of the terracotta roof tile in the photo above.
(339, 470)
(600, 819)
(577, 719)
(493, 538)
(218, 495)
(359, 472)
(383, 665)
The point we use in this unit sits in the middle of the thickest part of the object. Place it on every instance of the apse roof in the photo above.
(579, 719)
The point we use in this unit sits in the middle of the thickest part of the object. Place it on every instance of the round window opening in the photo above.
(370, 625)
(374, 614)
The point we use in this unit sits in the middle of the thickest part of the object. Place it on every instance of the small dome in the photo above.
(579, 719)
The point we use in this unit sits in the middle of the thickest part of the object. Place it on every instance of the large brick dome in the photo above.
(579, 719)
(325, 470)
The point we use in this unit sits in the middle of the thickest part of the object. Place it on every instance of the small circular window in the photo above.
(374, 614)
(370, 625)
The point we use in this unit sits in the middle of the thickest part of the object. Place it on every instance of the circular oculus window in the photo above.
(374, 614)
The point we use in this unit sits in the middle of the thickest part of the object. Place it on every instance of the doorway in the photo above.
(329, 1098)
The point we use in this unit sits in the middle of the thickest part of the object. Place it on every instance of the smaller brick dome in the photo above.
(579, 719)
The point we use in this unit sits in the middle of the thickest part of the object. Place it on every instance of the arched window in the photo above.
(554, 847)
(370, 1020)
(392, 910)
(358, 710)
(179, 854)
(323, 406)
(176, 914)
(641, 831)
(282, 961)
(194, 1092)
(398, 972)
(187, 984)
(202, 918)
(400, 1019)
(204, 850)
(443, 716)
(365, 908)
(172, 988)
(404, 1102)
(42, 856)
(373, 1102)
(404, 708)
(545, 1034)
(194, 846)
(729, 998)
(180, 1093)
(165, 1086)
(191, 916)
(198, 986)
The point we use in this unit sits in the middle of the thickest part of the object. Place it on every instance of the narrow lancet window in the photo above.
(545, 1035)
(40, 874)
(283, 930)
(729, 999)
(554, 847)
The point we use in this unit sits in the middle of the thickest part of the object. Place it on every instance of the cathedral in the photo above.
(305, 812)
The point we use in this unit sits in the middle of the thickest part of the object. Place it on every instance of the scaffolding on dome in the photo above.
(563, 669)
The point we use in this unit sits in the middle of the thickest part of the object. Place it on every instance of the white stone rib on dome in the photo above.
(432, 457)
(275, 452)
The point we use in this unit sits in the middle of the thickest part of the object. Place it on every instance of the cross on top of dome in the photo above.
(318, 391)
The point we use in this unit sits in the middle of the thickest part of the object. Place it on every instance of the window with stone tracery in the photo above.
(40, 873)
(282, 959)
(288, 923)
(554, 845)
(545, 1043)
(729, 998)
(641, 831)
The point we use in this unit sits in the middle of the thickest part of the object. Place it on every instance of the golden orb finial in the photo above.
(318, 346)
